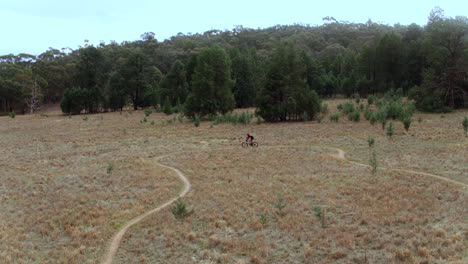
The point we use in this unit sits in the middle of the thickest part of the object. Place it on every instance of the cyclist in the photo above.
(249, 138)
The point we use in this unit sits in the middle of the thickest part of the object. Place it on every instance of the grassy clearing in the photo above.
(59, 204)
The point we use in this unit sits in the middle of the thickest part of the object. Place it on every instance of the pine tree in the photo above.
(174, 84)
(286, 95)
(211, 84)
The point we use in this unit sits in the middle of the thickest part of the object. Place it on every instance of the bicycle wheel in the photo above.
(254, 144)
(245, 144)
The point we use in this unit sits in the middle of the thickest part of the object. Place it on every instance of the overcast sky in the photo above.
(32, 26)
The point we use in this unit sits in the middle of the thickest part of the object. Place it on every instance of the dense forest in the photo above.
(281, 70)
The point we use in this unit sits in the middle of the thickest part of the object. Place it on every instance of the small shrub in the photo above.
(152, 122)
(357, 98)
(167, 108)
(370, 99)
(371, 141)
(420, 119)
(12, 114)
(280, 204)
(361, 107)
(373, 118)
(348, 107)
(319, 118)
(179, 210)
(244, 118)
(145, 120)
(324, 108)
(390, 129)
(339, 107)
(211, 117)
(263, 219)
(85, 118)
(407, 123)
(196, 120)
(334, 117)
(148, 112)
(373, 163)
(394, 110)
(368, 114)
(110, 168)
(354, 116)
(180, 118)
(318, 211)
(465, 124)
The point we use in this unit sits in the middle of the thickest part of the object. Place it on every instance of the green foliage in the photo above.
(370, 99)
(75, 100)
(390, 129)
(180, 211)
(407, 123)
(211, 84)
(244, 77)
(263, 219)
(373, 163)
(334, 117)
(235, 118)
(12, 114)
(348, 107)
(167, 108)
(373, 118)
(368, 114)
(354, 116)
(318, 212)
(371, 141)
(285, 95)
(110, 168)
(174, 85)
(280, 204)
(465, 124)
(324, 108)
(196, 120)
(148, 112)
(339, 107)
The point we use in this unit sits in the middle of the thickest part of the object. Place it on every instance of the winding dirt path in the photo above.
(341, 155)
(115, 242)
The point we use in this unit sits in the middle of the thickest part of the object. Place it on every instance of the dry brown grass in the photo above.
(58, 204)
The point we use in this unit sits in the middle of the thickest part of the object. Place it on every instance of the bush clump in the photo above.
(354, 116)
(334, 117)
(348, 107)
(12, 114)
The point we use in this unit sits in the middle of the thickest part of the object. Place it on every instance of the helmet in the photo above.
(248, 134)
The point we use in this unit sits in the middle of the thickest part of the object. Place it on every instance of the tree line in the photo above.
(281, 70)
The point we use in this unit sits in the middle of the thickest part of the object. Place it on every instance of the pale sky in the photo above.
(32, 26)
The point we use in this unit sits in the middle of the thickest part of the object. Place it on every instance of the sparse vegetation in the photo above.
(280, 204)
(390, 130)
(371, 141)
(233, 191)
(334, 117)
(12, 114)
(180, 211)
(148, 112)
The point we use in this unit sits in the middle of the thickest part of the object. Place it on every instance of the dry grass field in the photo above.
(68, 184)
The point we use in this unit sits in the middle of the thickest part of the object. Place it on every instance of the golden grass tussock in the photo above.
(60, 203)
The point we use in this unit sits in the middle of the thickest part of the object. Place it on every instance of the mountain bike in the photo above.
(246, 144)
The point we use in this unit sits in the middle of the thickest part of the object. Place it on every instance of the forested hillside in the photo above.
(218, 70)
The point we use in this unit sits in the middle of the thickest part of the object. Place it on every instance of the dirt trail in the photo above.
(118, 237)
(341, 155)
